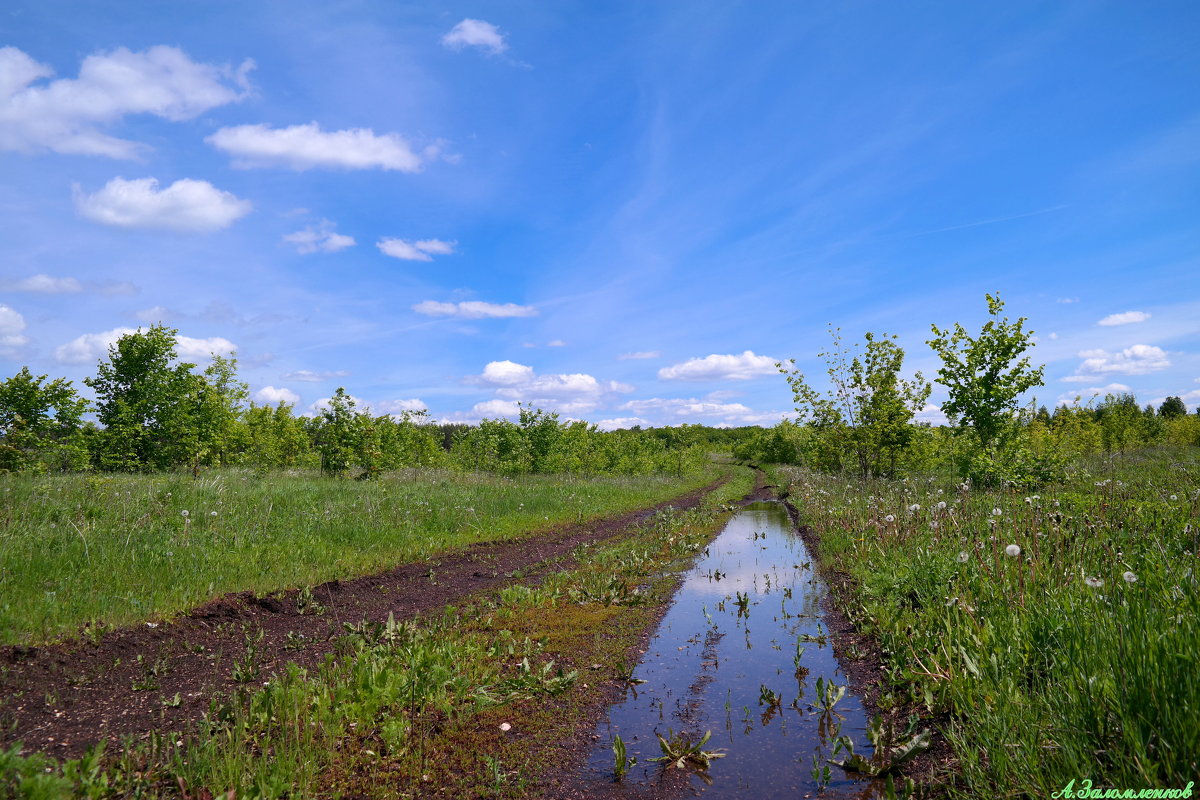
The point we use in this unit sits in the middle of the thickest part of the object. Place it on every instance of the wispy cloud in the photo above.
(1125, 318)
(473, 309)
(422, 250)
(321, 237)
(303, 147)
(309, 376)
(475, 33)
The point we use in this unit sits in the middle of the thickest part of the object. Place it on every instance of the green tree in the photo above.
(142, 400)
(985, 374)
(1172, 408)
(868, 412)
(40, 424)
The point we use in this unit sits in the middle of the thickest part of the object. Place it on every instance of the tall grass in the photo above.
(118, 549)
(1074, 658)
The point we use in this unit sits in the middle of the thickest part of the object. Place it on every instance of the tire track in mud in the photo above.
(61, 699)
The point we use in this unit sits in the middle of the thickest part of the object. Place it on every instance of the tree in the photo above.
(1172, 407)
(40, 424)
(157, 413)
(985, 374)
(868, 413)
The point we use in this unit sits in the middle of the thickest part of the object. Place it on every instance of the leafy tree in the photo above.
(1172, 408)
(215, 406)
(145, 402)
(341, 435)
(868, 414)
(40, 424)
(985, 374)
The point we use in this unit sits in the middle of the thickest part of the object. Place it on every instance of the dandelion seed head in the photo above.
(889, 518)
(996, 512)
(184, 512)
(1013, 550)
(1095, 583)
(964, 557)
(1130, 577)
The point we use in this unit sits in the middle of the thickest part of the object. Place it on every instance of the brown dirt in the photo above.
(61, 699)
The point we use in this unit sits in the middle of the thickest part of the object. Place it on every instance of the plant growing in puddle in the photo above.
(890, 750)
(767, 697)
(821, 639)
(828, 695)
(625, 674)
(621, 760)
(679, 749)
(743, 604)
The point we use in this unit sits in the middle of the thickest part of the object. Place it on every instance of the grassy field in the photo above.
(117, 549)
(415, 710)
(1059, 630)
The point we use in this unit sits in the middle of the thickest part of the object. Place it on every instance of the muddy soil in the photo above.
(61, 699)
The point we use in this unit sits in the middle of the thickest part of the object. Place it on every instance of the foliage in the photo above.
(41, 424)
(867, 414)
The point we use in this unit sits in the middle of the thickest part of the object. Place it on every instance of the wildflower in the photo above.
(933, 525)
(1095, 583)
(184, 512)
(914, 508)
(996, 512)
(941, 505)
(964, 557)
(212, 513)
(889, 518)
(504, 726)
(1174, 497)
(1013, 550)
(1130, 577)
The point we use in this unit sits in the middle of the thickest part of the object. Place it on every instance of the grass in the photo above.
(415, 709)
(1058, 630)
(118, 549)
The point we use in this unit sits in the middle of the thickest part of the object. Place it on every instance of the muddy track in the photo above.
(61, 699)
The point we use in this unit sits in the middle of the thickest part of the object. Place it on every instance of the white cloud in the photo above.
(319, 238)
(302, 147)
(1125, 318)
(270, 395)
(1092, 391)
(556, 343)
(414, 251)
(720, 367)
(621, 422)
(187, 205)
(1140, 359)
(641, 355)
(473, 309)
(323, 404)
(91, 347)
(496, 408)
(400, 406)
(43, 284)
(506, 373)
(12, 325)
(67, 115)
(475, 33)
(931, 414)
(682, 409)
(308, 376)
(1067, 300)
(155, 314)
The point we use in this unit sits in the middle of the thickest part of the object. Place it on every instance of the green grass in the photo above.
(1074, 659)
(119, 549)
(414, 709)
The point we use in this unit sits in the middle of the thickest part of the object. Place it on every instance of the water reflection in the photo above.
(741, 653)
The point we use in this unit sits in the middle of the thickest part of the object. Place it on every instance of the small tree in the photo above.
(40, 424)
(868, 412)
(985, 374)
(1172, 408)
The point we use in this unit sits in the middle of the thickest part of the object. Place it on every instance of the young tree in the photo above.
(985, 374)
(1172, 407)
(40, 424)
(869, 411)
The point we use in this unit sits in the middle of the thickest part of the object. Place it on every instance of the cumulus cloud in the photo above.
(1140, 359)
(303, 147)
(567, 393)
(68, 115)
(617, 423)
(12, 326)
(932, 414)
(271, 395)
(475, 33)
(323, 404)
(319, 238)
(308, 376)
(42, 284)
(496, 408)
(720, 367)
(422, 250)
(1125, 318)
(473, 309)
(91, 347)
(506, 373)
(397, 407)
(641, 355)
(683, 409)
(186, 206)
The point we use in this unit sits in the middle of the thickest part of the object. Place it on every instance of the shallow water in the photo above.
(712, 657)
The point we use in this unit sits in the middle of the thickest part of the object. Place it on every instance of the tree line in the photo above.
(157, 413)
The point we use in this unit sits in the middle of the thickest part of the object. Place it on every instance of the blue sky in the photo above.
(626, 212)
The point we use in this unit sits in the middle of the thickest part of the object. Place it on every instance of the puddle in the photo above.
(729, 638)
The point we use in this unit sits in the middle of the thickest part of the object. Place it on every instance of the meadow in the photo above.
(1056, 633)
(110, 550)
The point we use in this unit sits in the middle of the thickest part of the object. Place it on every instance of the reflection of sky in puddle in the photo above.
(706, 666)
